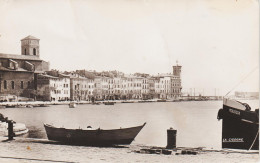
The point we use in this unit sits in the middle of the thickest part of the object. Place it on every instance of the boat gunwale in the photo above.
(246, 111)
(51, 126)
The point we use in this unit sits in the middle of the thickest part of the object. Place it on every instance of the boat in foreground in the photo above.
(240, 125)
(98, 137)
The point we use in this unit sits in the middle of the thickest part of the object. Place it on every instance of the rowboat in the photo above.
(109, 103)
(89, 137)
(127, 102)
(72, 105)
(18, 129)
(240, 125)
(95, 103)
(145, 101)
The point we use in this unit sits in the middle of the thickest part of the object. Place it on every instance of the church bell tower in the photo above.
(30, 46)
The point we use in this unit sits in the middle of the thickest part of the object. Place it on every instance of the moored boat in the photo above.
(95, 103)
(127, 102)
(98, 137)
(43, 105)
(145, 101)
(18, 129)
(109, 103)
(72, 105)
(240, 125)
(161, 100)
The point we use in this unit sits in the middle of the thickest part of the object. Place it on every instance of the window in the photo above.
(34, 51)
(29, 84)
(25, 52)
(5, 84)
(12, 83)
(21, 84)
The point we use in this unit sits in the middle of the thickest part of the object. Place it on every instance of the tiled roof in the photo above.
(20, 57)
(30, 37)
(73, 76)
(19, 69)
(64, 75)
(133, 76)
(163, 75)
(3, 69)
(48, 76)
(38, 72)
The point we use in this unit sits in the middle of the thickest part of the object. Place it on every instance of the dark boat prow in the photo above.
(98, 137)
(240, 125)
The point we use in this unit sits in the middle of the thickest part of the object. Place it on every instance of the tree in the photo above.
(29, 93)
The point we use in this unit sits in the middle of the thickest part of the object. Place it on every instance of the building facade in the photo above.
(81, 88)
(18, 73)
(27, 75)
(53, 88)
(162, 86)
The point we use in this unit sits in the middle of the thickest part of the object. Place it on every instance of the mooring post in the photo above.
(10, 130)
(171, 138)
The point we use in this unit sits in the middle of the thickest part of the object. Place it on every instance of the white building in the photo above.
(79, 87)
(53, 88)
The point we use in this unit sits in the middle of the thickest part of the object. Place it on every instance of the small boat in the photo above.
(43, 105)
(127, 102)
(240, 125)
(109, 103)
(98, 137)
(9, 106)
(2, 107)
(72, 105)
(18, 129)
(161, 100)
(145, 101)
(95, 103)
(29, 106)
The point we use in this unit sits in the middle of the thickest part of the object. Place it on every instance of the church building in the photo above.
(18, 73)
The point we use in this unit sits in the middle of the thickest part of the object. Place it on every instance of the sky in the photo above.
(215, 41)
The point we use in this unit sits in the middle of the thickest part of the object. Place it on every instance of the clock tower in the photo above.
(30, 46)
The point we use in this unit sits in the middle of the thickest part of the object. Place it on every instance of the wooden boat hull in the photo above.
(18, 129)
(127, 102)
(240, 128)
(109, 103)
(99, 137)
(161, 100)
(145, 101)
(72, 105)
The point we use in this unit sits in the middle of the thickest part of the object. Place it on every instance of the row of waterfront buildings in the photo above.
(26, 75)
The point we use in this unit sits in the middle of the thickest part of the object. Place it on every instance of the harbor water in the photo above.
(195, 121)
